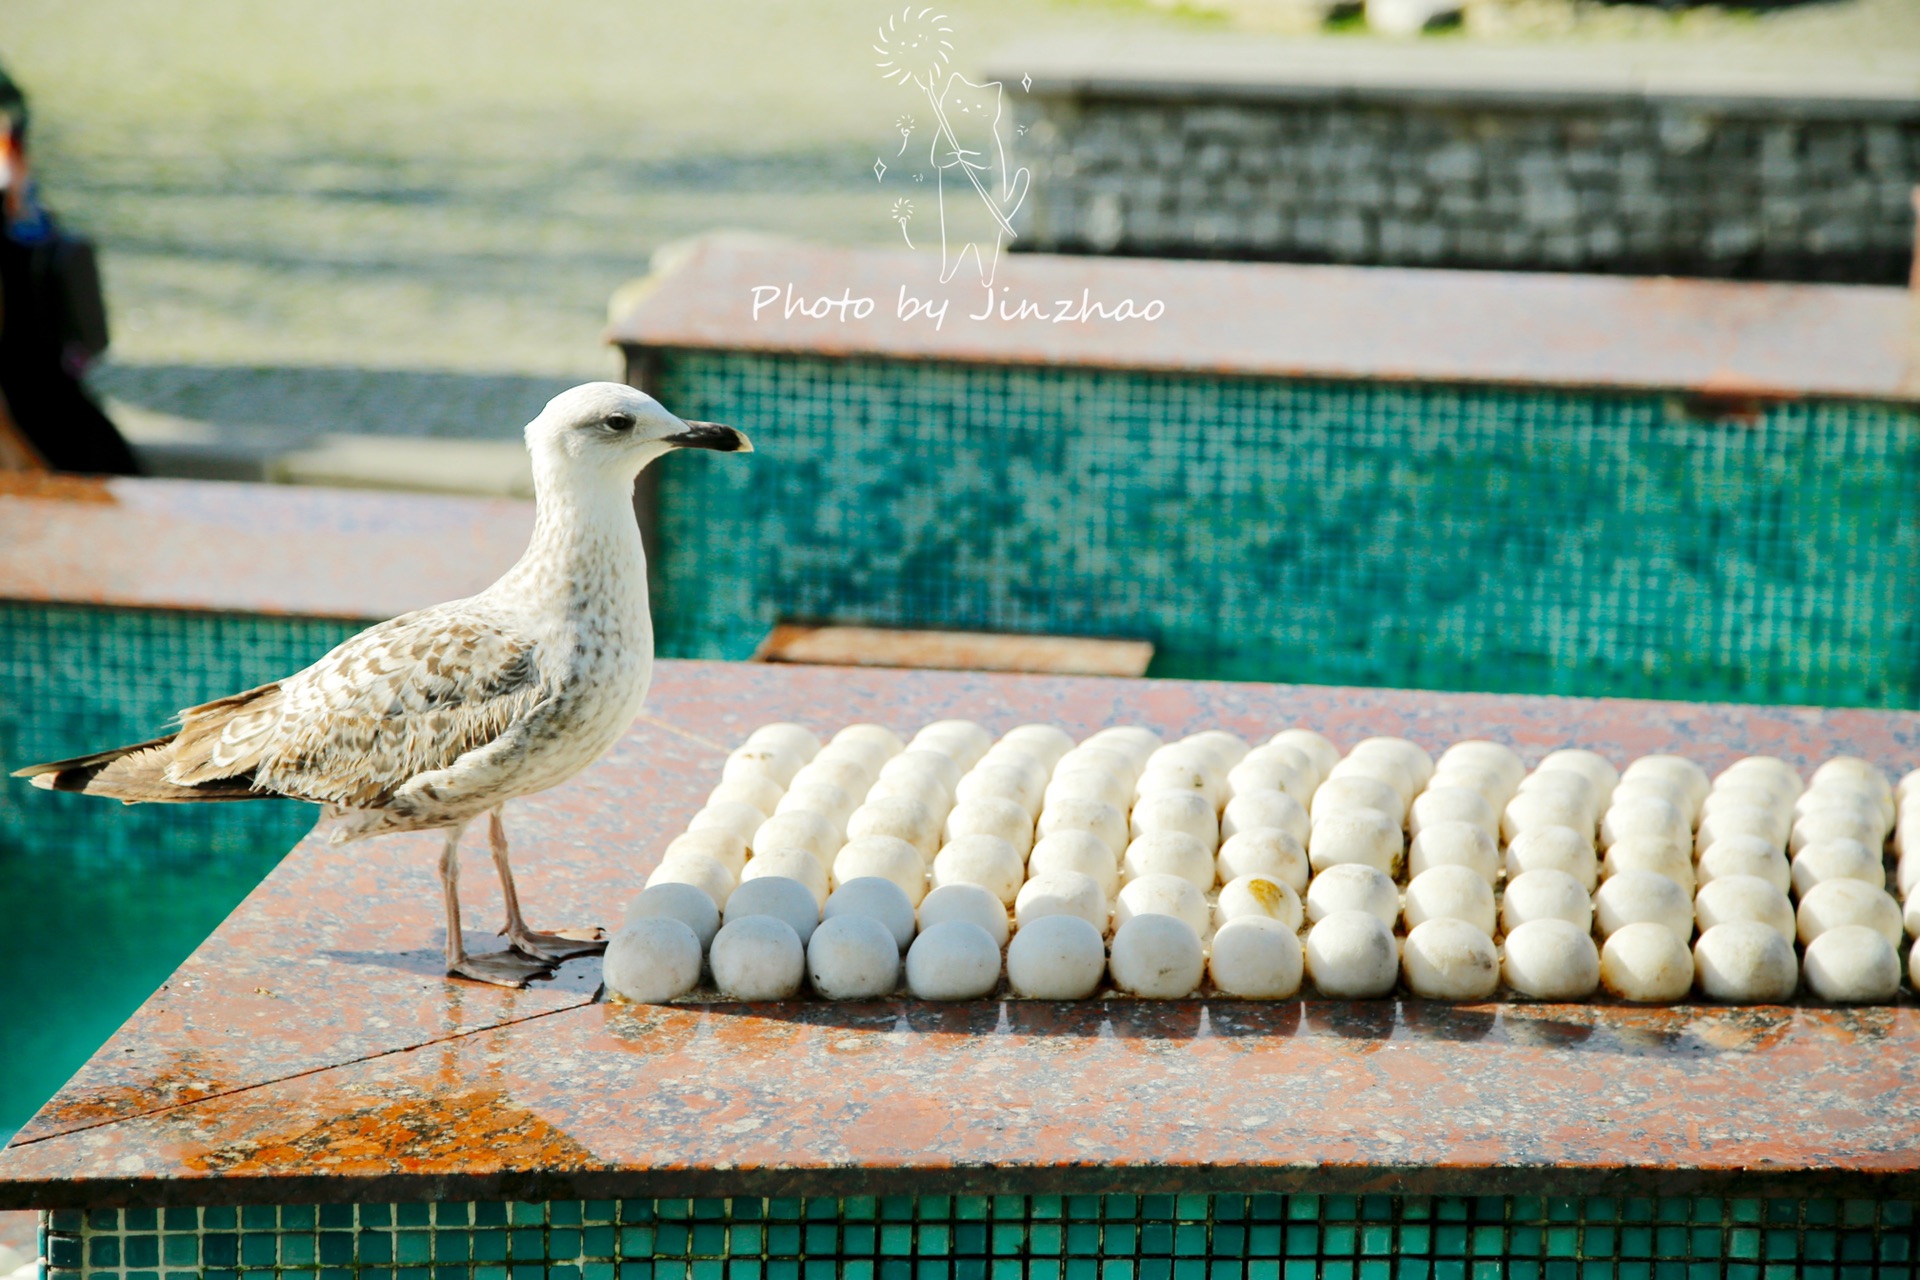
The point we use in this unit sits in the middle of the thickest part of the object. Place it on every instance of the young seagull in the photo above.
(436, 717)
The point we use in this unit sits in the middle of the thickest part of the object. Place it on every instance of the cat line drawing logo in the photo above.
(977, 190)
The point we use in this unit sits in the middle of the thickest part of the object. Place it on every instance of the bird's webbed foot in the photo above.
(555, 947)
(501, 968)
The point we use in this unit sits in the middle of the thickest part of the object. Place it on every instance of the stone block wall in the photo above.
(1773, 188)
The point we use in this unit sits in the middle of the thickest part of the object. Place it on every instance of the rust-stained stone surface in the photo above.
(310, 1050)
(255, 548)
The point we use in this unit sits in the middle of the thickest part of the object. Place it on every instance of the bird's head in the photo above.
(612, 429)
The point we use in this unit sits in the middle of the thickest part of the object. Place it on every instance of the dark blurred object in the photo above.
(53, 320)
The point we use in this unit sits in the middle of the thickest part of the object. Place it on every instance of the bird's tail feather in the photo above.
(135, 774)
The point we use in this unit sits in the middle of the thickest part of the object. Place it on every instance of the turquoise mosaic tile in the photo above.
(1149, 1237)
(1414, 536)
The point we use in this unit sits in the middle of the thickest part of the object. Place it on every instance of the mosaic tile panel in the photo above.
(1002, 1237)
(1353, 533)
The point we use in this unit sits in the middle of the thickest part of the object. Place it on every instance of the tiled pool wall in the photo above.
(1006, 1237)
(1371, 533)
(132, 889)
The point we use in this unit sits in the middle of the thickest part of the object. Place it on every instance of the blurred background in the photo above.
(361, 244)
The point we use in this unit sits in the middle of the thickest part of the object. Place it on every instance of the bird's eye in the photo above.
(619, 421)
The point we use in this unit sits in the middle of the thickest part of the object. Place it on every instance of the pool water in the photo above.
(105, 900)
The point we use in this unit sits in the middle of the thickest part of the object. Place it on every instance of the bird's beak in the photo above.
(710, 435)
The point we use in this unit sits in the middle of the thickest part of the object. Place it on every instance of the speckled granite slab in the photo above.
(309, 1050)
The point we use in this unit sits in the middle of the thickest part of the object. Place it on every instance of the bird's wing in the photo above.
(400, 699)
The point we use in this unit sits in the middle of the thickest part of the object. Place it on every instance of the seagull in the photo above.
(429, 720)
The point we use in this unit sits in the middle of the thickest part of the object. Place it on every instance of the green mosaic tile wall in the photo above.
(1367, 533)
(1153, 1237)
(132, 888)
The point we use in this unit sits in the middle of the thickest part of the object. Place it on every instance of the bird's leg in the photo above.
(544, 946)
(503, 968)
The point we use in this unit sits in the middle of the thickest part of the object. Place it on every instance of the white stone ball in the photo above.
(1551, 960)
(796, 738)
(764, 759)
(1105, 821)
(967, 902)
(1744, 898)
(1410, 754)
(652, 959)
(964, 740)
(1048, 742)
(1839, 859)
(1486, 784)
(1157, 955)
(1364, 836)
(1113, 758)
(877, 734)
(1263, 851)
(1189, 771)
(1454, 844)
(1745, 962)
(1322, 752)
(689, 904)
(1545, 894)
(1267, 770)
(780, 897)
(1658, 854)
(1259, 896)
(953, 960)
(1171, 853)
(1062, 893)
(849, 773)
(1567, 784)
(1491, 757)
(1089, 783)
(1740, 820)
(1351, 955)
(1679, 770)
(1135, 741)
(1837, 824)
(789, 864)
(878, 898)
(758, 958)
(1911, 914)
(853, 957)
(1597, 769)
(1352, 886)
(1023, 781)
(724, 847)
(1231, 745)
(925, 792)
(1349, 793)
(730, 817)
(987, 861)
(1853, 964)
(758, 790)
(1186, 812)
(1080, 851)
(1447, 958)
(1646, 818)
(887, 857)
(1745, 856)
(1002, 819)
(1057, 958)
(1907, 871)
(1378, 767)
(813, 832)
(1872, 805)
(920, 763)
(1162, 895)
(1850, 770)
(1832, 903)
(1646, 963)
(1251, 810)
(1451, 804)
(1554, 849)
(703, 873)
(1256, 958)
(1768, 769)
(1450, 893)
(870, 756)
(823, 798)
(1633, 896)
(1667, 790)
(903, 818)
(1751, 793)
(1913, 966)
(1530, 809)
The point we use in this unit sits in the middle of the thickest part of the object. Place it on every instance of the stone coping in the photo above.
(1283, 320)
(310, 1050)
(249, 548)
(1450, 74)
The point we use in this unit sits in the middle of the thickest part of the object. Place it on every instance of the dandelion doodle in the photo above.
(905, 126)
(903, 214)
